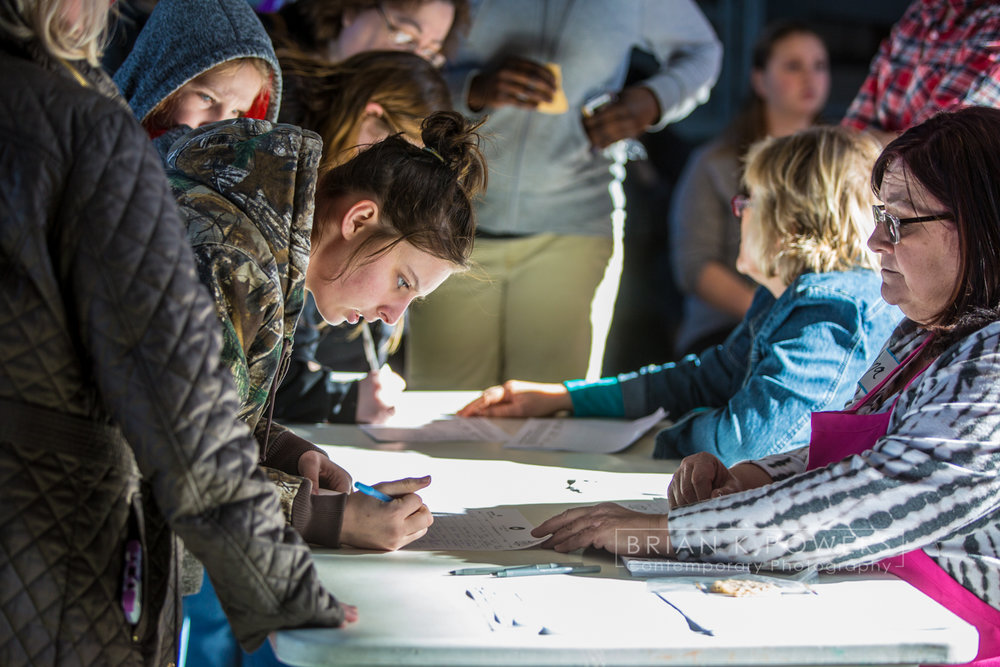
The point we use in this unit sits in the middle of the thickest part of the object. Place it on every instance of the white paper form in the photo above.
(596, 436)
(474, 429)
(494, 529)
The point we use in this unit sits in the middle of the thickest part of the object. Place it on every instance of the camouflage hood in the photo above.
(246, 188)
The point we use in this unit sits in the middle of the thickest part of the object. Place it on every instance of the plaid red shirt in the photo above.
(941, 55)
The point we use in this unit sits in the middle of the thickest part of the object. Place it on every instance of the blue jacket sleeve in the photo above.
(808, 362)
(705, 380)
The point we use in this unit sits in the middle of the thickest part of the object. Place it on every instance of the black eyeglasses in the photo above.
(738, 203)
(408, 41)
(893, 223)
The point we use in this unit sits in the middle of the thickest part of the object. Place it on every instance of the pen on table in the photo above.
(369, 344)
(496, 568)
(542, 566)
(373, 492)
(530, 572)
(475, 570)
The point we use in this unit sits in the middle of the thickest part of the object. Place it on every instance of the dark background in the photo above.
(649, 306)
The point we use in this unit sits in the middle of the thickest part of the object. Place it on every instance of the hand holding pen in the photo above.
(371, 522)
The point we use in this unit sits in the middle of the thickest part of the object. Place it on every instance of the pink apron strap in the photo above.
(892, 374)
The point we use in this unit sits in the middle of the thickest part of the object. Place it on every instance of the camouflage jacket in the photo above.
(246, 191)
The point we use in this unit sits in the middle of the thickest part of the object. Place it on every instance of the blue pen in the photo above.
(373, 492)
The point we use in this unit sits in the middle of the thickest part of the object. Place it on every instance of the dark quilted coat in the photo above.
(116, 418)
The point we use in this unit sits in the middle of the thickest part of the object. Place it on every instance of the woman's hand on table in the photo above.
(703, 476)
(378, 394)
(370, 523)
(607, 526)
(350, 613)
(516, 398)
(324, 473)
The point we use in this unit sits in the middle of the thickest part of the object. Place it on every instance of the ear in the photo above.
(374, 109)
(359, 217)
(347, 18)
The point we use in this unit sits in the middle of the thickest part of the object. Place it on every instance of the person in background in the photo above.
(815, 324)
(908, 476)
(118, 429)
(351, 104)
(197, 62)
(334, 30)
(389, 226)
(939, 56)
(789, 84)
(551, 226)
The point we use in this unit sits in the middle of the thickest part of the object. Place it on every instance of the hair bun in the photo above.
(451, 138)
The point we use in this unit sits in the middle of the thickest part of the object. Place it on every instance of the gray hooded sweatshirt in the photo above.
(185, 38)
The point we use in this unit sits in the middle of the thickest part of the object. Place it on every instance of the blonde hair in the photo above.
(811, 202)
(330, 98)
(42, 20)
(162, 115)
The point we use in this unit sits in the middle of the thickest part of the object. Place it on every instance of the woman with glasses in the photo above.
(337, 29)
(814, 325)
(906, 478)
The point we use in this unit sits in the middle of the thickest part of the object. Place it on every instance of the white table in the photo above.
(412, 612)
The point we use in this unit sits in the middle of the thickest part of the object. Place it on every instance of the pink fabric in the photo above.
(837, 435)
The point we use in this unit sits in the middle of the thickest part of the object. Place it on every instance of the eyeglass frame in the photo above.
(893, 223)
(738, 204)
(409, 41)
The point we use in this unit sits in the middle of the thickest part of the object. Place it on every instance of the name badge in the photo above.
(878, 371)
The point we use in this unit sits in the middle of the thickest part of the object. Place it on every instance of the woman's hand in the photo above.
(370, 523)
(324, 473)
(350, 613)
(515, 398)
(378, 394)
(607, 526)
(702, 476)
(516, 82)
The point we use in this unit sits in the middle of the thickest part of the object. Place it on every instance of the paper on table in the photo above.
(476, 429)
(598, 436)
(497, 529)
(565, 605)
(651, 506)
